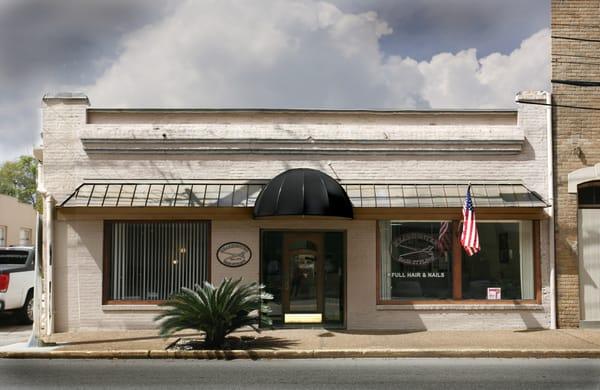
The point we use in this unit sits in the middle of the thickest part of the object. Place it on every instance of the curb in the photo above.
(306, 354)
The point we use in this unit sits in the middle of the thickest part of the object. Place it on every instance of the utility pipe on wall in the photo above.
(35, 340)
(36, 330)
(48, 263)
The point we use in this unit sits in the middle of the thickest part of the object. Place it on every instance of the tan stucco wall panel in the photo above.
(79, 281)
(78, 275)
(246, 232)
(15, 215)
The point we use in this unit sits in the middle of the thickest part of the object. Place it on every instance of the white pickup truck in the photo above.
(16, 281)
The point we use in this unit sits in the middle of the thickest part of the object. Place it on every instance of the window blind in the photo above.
(151, 261)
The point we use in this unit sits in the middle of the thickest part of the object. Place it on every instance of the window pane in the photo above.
(151, 261)
(586, 196)
(13, 257)
(2, 235)
(24, 237)
(272, 269)
(333, 276)
(416, 259)
(505, 262)
(589, 194)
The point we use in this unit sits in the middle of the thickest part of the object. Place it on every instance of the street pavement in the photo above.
(435, 374)
(11, 331)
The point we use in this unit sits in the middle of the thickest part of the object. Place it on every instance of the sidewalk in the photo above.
(316, 343)
(14, 334)
(11, 329)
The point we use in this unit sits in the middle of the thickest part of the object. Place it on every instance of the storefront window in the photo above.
(416, 262)
(503, 269)
(416, 259)
(149, 261)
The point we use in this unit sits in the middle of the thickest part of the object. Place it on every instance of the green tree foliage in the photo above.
(216, 311)
(18, 179)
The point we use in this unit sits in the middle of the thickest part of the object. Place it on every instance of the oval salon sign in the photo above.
(234, 254)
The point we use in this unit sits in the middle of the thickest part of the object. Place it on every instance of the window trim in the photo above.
(457, 272)
(582, 186)
(106, 250)
(4, 228)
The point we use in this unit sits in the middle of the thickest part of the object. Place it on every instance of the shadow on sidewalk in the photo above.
(11, 321)
(530, 330)
(243, 342)
(117, 340)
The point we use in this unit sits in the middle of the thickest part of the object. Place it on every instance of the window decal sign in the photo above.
(402, 275)
(414, 248)
(234, 254)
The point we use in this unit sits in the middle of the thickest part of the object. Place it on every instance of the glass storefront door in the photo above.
(305, 272)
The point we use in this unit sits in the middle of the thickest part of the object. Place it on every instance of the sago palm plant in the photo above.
(216, 311)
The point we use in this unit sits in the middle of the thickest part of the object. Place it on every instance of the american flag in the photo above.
(469, 239)
(443, 242)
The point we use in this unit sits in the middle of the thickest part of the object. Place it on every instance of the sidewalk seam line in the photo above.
(578, 338)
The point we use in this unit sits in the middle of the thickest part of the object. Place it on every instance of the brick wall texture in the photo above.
(575, 56)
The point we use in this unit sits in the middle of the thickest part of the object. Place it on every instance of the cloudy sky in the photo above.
(267, 53)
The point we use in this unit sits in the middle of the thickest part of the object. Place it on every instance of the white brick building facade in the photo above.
(87, 145)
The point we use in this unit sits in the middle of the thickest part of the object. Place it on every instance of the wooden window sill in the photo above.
(132, 307)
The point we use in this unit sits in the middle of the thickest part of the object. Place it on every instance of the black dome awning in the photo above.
(303, 191)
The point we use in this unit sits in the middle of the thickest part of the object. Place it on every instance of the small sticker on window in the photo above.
(494, 293)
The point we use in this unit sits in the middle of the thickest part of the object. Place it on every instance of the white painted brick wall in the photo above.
(67, 165)
(78, 249)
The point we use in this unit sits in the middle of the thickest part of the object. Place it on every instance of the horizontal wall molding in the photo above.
(300, 147)
(301, 139)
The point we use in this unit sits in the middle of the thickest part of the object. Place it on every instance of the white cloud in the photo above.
(231, 53)
(463, 80)
(292, 53)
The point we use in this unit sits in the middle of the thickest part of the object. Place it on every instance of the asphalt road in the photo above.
(411, 374)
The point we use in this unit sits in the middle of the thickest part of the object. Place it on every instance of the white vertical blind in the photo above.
(526, 250)
(589, 263)
(151, 261)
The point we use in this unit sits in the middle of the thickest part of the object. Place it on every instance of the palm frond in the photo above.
(217, 311)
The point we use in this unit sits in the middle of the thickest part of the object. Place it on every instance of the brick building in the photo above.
(576, 57)
(350, 218)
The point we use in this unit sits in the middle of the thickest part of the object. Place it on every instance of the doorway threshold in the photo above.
(309, 326)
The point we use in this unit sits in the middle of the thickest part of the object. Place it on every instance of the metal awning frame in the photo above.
(101, 190)
(363, 195)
